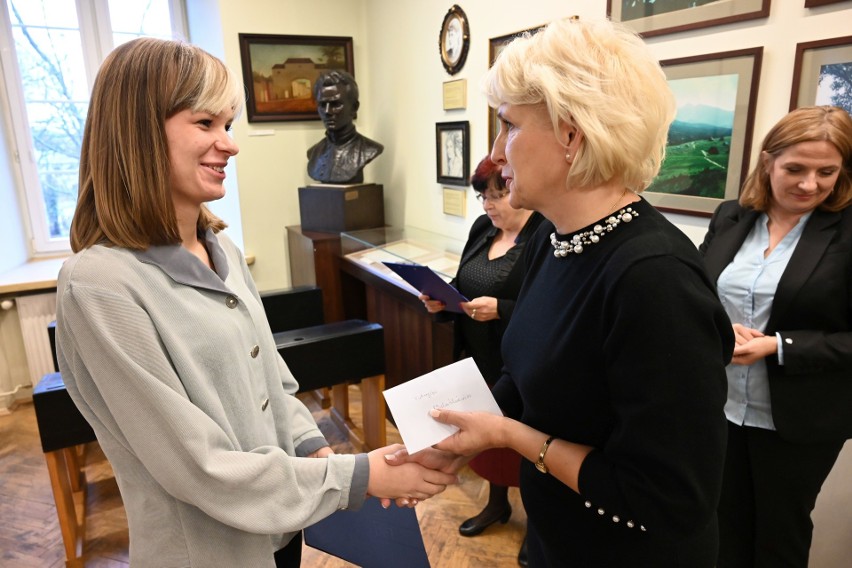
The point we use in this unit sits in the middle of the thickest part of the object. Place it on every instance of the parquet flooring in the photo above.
(30, 536)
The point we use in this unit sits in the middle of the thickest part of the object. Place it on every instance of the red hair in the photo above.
(486, 173)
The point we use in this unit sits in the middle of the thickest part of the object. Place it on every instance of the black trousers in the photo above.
(769, 489)
(291, 555)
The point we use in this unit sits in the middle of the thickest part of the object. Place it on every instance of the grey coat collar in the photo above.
(185, 268)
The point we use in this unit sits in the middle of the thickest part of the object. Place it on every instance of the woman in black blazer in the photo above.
(782, 261)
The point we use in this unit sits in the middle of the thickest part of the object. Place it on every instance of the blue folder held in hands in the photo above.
(371, 537)
(428, 282)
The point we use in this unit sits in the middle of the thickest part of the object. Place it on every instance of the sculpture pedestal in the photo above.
(335, 208)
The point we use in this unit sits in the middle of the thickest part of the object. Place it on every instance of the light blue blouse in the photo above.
(747, 288)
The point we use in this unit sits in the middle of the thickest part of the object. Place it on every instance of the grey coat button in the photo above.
(231, 302)
(254, 351)
(265, 404)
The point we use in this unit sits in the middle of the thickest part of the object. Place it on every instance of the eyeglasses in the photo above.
(493, 198)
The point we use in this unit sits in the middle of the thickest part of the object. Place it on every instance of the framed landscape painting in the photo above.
(657, 17)
(710, 138)
(279, 72)
(822, 74)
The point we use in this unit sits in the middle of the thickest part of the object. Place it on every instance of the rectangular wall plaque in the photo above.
(455, 94)
(455, 201)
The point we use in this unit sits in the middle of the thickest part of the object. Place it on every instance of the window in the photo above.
(51, 50)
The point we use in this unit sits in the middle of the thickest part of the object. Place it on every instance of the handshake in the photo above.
(408, 479)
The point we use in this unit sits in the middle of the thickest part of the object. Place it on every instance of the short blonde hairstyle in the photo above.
(805, 124)
(601, 78)
(124, 196)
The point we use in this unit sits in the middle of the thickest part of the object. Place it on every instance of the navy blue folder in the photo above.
(371, 537)
(428, 282)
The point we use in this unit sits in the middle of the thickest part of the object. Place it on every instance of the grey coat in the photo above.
(175, 368)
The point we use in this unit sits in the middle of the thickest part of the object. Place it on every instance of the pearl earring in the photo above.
(567, 156)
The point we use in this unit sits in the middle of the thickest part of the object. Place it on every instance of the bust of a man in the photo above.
(340, 157)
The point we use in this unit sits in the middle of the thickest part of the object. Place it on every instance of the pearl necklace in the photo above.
(576, 243)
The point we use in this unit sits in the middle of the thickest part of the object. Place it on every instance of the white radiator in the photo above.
(35, 313)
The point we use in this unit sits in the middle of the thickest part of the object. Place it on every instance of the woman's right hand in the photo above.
(432, 306)
(407, 481)
(743, 334)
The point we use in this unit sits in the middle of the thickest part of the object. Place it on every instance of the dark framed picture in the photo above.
(495, 46)
(454, 40)
(452, 150)
(279, 72)
(710, 139)
(822, 74)
(815, 3)
(658, 17)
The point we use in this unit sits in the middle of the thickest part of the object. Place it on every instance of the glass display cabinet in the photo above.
(370, 247)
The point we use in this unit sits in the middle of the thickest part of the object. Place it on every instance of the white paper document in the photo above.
(459, 386)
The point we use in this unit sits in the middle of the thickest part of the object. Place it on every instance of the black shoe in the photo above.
(479, 523)
(523, 559)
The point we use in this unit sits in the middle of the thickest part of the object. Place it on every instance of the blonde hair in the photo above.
(601, 78)
(805, 124)
(124, 197)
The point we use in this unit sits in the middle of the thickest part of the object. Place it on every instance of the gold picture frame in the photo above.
(454, 40)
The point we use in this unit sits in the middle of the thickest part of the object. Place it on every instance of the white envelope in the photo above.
(459, 386)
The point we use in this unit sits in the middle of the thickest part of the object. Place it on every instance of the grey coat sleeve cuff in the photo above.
(360, 477)
(310, 445)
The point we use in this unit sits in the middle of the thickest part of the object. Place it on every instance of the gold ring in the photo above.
(473, 315)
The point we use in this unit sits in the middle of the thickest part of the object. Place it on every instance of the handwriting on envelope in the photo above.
(459, 386)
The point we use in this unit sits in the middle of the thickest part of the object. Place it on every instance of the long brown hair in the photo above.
(124, 197)
(805, 124)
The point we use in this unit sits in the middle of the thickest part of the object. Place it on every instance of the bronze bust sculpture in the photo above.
(340, 157)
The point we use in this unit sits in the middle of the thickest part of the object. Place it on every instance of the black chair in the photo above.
(293, 308)
(332, 355)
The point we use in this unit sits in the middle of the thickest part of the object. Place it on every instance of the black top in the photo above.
(499, 278)
(622, 348)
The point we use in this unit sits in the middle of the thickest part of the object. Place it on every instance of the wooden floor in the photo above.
(30, 537)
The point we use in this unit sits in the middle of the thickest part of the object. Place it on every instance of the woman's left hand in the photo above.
(483, 308)
(478, 431)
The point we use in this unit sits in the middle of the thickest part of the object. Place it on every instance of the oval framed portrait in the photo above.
(454, 40)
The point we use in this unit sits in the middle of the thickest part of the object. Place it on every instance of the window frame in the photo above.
(97, 41)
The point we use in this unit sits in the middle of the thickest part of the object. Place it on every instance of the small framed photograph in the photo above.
(710, 139)
(452, 145)
(822, 74)
(279, 72)
(652, 18)
(495, 46)
(454, 40)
